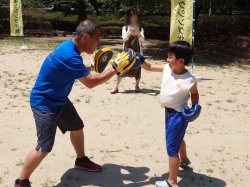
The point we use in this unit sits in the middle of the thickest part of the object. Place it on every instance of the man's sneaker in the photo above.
(137, 89)
(87, 164)
(22, 183)
(114, 90)
(163, 184)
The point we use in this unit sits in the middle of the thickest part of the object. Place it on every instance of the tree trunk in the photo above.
(95, 5)
(204, 7)
(82, 15)
(230, 10)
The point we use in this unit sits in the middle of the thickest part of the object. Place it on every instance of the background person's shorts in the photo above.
(176, 127)
(66, 118)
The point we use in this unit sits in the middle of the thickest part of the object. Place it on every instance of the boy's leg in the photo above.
(175, 131)
(174, 164)
(183, 152)
(33, 159)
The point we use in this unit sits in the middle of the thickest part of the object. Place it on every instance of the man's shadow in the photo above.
(112, 175)
(192, 179)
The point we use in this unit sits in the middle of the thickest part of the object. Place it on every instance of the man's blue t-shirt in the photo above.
(56, 77)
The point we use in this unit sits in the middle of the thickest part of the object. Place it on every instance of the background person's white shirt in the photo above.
(125, 37)
(175, 89)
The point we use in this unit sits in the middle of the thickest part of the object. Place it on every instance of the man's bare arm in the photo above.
(92, 81)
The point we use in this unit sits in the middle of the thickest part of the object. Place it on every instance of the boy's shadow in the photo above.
(143, 91)
(112, 175)
(190, 178)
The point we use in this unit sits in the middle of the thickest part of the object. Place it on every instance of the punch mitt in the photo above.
(101, 59)
(124, 61)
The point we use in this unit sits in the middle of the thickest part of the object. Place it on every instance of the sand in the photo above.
(125, 132)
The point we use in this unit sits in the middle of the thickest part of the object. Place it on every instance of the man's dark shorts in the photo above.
(66, 118)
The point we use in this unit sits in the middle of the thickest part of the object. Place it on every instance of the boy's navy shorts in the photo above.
(66, 118)
(176, 127)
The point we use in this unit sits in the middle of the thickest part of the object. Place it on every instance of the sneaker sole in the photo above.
(82, 168)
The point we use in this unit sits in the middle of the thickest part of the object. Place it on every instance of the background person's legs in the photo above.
(137, 87)
(32, 160)
(138, 78)
(115, 89)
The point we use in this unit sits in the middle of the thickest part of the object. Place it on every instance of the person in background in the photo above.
(133, 36)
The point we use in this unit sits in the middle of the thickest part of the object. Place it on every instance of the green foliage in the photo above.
(208, 27)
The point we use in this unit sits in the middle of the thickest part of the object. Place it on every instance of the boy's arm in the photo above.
(194, 94)
(152, 67)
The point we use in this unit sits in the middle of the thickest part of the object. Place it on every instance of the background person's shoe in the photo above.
(22, 183)
(114, 90)
(87, 164)
(137, 89)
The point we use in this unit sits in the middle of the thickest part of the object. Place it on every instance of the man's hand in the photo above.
(90, 67)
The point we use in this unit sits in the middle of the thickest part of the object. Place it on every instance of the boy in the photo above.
(177, 86)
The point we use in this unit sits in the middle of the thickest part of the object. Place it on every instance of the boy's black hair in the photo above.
(181, 49)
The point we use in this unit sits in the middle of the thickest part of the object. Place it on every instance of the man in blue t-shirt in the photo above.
(49, 98)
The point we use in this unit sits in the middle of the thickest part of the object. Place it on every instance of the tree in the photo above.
(82, 15)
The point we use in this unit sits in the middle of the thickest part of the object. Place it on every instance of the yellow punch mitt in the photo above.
(101, 59)
(124, 61)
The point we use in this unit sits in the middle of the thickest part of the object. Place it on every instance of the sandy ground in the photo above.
(125, 132)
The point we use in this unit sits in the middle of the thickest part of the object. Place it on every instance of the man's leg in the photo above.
(70, 121)
(82, 161)
(31, 162)
(46, 131)
(77, 140)
(183, 152)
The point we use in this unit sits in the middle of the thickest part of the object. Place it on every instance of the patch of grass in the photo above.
(7, 172)
(48, 182)
(5, 85)
(77, 100)
(209, 170)
(230, 101)
(20, 163)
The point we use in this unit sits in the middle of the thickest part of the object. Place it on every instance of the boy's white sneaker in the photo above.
(163, 184)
